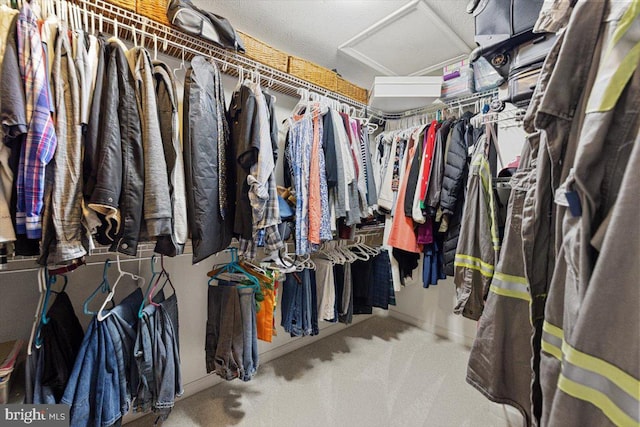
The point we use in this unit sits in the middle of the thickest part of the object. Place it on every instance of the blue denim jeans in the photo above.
(296, 304)
(158, 358)
(93, 390)
(249, 333)
(122, 327)
(41, 393)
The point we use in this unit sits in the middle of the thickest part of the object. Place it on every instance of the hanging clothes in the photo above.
(454, 181)
(157, 199)
(402, 235)
(157, 357)
(479, 244)
(383, 294)
(297, 306)
(596, 196)
(8, 20)
(265, 314)
(28, 132)
(500, 361)
(61, 340)
(167, 103)
(205, 131)
(231, 340)
(325, 289)
(120, 153)
(102, 383)
(65, 238)
(40, 140)
(262, 191)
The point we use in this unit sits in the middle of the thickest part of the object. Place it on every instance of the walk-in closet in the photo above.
(298, 213)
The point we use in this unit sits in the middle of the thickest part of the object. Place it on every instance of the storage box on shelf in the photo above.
(154, 9)
(457, 80)
(307, 70)
(352, 91)
(127, 4)
(263, 53)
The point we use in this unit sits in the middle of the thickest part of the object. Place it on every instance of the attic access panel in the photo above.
(412, 41)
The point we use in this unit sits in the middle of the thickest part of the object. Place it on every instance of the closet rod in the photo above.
(178, 41)
(24, 270)
(451, 104)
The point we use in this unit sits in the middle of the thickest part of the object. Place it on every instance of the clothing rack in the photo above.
(18, 264)
(424, 115)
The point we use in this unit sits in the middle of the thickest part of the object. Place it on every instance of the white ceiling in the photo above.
(378, 37)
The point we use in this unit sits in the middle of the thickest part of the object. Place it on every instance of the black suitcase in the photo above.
(525, 67)
(501, 26)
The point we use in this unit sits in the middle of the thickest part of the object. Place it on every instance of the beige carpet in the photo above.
(381, 372)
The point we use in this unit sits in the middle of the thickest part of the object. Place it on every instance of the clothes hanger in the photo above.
(103, 287)
(256, 271)
(302, 103)
(36, 318)
(121, 274)
(373, 251)
(233, 267)
(49, 281)
(164, 274)
(154, 273)
(134, 36)
(359, 253)
(240, 78)
(155, 49)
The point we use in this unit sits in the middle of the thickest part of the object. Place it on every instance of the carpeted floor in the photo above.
(381, 372)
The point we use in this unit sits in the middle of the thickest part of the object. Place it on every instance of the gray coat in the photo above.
(64, 241)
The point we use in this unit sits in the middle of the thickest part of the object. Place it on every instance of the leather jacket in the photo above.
(119, 188)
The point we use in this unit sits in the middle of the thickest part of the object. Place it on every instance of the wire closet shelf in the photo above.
(178, 44)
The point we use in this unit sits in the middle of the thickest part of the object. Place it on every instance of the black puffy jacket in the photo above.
(454, 181)
(119, 188)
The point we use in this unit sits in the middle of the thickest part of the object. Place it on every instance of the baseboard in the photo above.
(434, 329)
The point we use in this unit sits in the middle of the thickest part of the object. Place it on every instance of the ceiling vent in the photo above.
(412, 41)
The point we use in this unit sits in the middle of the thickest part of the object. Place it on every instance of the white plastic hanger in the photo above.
(134, 36)
(101, 314)
(303, 102)
(155, 47)
(240, 78)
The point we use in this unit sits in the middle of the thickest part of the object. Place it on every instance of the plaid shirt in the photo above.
(40, 142)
